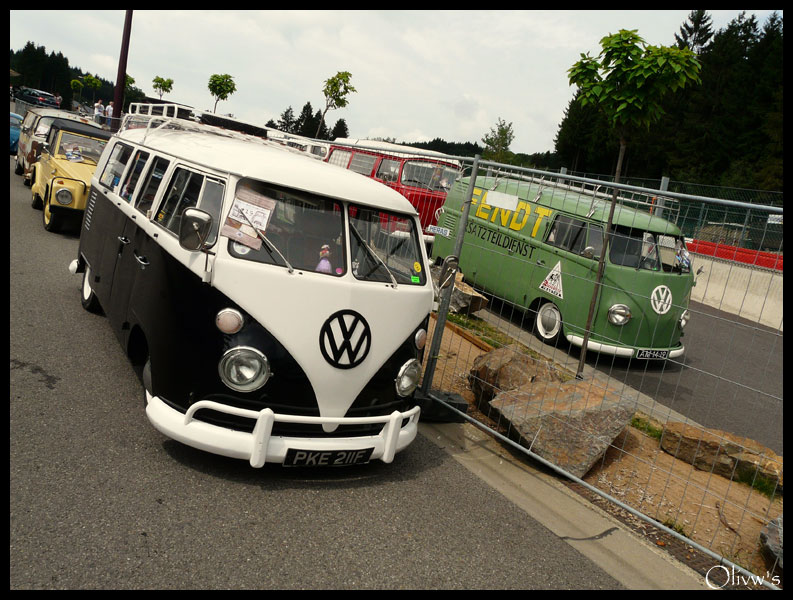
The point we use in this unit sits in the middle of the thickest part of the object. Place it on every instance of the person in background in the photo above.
(99, 112)
(109, 113)
(58, 99)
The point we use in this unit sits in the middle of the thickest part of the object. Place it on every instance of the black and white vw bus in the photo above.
(278, 305)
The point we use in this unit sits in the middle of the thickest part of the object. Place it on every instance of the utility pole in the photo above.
(121, 76)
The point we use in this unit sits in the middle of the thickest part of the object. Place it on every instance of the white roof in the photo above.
(247, 156)
(395, 149)
(63, 114)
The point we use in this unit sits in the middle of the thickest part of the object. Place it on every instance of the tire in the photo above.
(87, 297)
(52, 221)
(18, 169)
(548, 324)
(147, 385)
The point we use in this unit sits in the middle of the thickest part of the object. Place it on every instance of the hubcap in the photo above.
(549, 321)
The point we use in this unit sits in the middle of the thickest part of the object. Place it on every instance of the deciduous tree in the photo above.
(336, 90)
(221, 87)
(628, 84)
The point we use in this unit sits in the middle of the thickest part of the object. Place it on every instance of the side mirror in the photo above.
(194, 229)
(448, 271)
(588, 252)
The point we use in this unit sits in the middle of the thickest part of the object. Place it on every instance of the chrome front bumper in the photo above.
(261, 446)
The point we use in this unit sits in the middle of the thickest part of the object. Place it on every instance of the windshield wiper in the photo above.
(267, 243)
(374, 254)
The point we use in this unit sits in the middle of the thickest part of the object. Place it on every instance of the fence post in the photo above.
(661, 199)
(446, 294)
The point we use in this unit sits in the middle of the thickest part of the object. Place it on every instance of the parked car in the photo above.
(34, 131)
(16, 123)
(62, 175)
(36, 97)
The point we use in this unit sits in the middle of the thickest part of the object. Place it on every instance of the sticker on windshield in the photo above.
(553, 282)
(250, 210)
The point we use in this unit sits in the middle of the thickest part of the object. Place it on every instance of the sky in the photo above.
(418, 74)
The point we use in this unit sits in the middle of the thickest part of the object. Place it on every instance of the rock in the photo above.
(722, 453)
(568, 424)
(465, 299)
(771, 543)
(506, 369)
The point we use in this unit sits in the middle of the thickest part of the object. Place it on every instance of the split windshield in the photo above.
(306, 232)
(649, 251)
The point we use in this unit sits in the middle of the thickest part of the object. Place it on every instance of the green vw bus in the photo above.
(537, 247)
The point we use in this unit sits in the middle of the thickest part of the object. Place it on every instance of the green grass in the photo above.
(645, 426)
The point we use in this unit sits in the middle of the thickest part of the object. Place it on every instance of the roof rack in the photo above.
(175, 116)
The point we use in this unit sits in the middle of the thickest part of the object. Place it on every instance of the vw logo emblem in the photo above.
(345, 339)
(661, 299)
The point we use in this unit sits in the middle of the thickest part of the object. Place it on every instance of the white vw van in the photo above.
(277, 305)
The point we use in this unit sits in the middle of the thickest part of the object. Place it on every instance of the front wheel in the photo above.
(548, 323)
(87, 297)
(52, 221)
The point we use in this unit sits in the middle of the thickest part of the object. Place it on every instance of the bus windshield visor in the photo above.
(429, 175)
(384, 247)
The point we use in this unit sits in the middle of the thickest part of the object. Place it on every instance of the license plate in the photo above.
(330, 458)
(652, 354)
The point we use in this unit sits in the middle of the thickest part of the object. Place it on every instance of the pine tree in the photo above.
(696, 32)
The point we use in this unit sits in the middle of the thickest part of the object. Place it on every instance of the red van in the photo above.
(412, 172)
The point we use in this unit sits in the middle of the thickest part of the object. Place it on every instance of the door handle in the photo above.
(541, 262)
(142, 260)
(124, 240)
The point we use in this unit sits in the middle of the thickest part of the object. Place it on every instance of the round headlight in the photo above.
(63, 196)
(684, 318)
(244, 369)
(619, 314)
(229, 320)
(408, 378)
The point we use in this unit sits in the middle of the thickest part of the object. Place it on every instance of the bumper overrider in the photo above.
(260, 446)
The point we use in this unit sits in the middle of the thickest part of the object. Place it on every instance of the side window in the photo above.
(43, 126)
(340, 158)
(29, 118)
(183, 192)
(595, 239)
(567, 233)
(115, 166)
(388, 170)
(190, 189)
(212, 202)
(128, 187)
(362, 163)
(152, 184)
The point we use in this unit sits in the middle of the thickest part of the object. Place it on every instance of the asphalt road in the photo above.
(100, 499)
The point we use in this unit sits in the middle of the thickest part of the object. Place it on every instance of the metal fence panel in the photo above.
(692, 443)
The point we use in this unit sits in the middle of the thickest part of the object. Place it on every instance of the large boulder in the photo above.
(722, 453)
(771, 543)
(506, 369)
(568, 423)
(465, 299)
